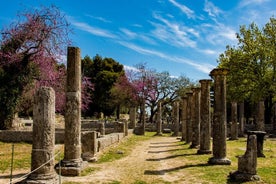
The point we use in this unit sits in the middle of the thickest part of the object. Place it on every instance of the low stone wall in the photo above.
(107, 140)
(26, 136)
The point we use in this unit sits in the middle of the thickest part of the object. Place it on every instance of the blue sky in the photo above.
(183, 37)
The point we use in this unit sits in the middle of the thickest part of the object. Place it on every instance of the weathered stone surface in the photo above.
(72, 164)
(101, 125)
(43, 138)
(176, 118)
(234, 121)
(132, 117)
(205, 117)
(89, 146)
(184, 118)
(189, 119)
(219, 121)
(260, 118)
(196, 119)
(241, 119)
(159, 119)
(247, 164)
(260, 141)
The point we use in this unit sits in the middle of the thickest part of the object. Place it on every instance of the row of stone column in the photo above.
(196, 118)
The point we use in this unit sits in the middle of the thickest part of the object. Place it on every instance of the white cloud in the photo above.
(244, 3)
(174, 33)
(211, 9)
(129, 33)
(93, 30)
(184, 9)
(99, 18)
(208, 51)
(203, 67)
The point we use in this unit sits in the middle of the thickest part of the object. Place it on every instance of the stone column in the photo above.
(247, 164)
(101, 127)
(132, 117)
(219, 122)
(260, 126)
(241, 119)
(189, 120)
(196, 119)
(234, 121)
(43, 148)
(176, 118)
(71, 165)
(205, 117)
(184, 118)
(159, 119)
(126, 128)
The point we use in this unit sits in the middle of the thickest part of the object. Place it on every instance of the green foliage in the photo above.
(252, 66)
(103, 73)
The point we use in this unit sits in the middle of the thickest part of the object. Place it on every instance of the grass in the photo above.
(21, 157)
(123, 148)
(195, 165)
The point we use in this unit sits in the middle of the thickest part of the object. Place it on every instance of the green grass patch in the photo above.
(197, 164)
(123, 148)
(21, 156)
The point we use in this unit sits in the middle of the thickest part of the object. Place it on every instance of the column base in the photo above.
(159, 134)
(70, 168)
(219, 161)
(203, 152)
(89, 157)
(194, 146)
(40, 179)
(243, 177)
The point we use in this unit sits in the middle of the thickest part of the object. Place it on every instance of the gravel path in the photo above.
(151, 162)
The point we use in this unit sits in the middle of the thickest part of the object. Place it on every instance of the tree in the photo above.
(252, 65)
(103, 74)
(123, 94)
(29, 49)
(152, 87)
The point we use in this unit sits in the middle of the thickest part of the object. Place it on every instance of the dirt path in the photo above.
(151, 162)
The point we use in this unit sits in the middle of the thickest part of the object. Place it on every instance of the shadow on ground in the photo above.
(163, 171)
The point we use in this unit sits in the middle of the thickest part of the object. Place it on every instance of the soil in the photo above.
(150, 162)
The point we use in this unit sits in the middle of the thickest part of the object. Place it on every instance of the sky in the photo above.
(182, 37)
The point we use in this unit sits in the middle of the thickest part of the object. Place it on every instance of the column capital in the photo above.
(205, 81)
(219, 71)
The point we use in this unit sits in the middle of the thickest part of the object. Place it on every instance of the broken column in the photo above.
(89, 146)
(189, 132)
(43, 138)
(247, 164)
(234, 121)
(176, 118)
(159, 119)
(196, 118)
(260, 141)
(72, 163)
(219, 121)
(205, 117)
(184, 118)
